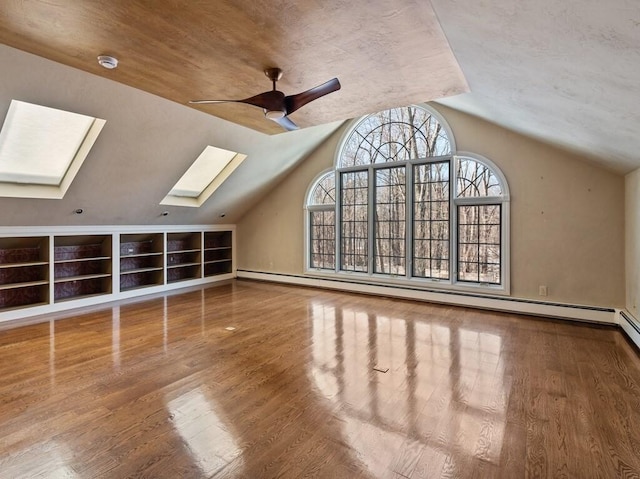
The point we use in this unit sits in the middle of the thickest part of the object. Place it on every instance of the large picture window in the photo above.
(402, 205)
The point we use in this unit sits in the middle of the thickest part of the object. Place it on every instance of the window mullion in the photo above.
(340, 225)
(408, 227)
(338, 229)
(454, 242)
(371, 217)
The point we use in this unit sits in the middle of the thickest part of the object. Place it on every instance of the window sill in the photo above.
(414, 283)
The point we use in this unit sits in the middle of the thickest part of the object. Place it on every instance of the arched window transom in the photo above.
(400, 134)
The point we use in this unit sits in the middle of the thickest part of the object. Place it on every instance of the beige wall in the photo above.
(271, 235)
(632, 241)
(567, 217)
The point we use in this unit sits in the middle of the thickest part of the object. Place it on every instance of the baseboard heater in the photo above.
(592, 314)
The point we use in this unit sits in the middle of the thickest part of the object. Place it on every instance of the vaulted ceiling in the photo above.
(564, 72)
(385, 54)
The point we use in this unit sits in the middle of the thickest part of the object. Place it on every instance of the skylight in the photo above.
(42, 149)
(204, 176)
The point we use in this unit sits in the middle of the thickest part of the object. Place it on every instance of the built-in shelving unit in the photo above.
(42, 272)
(82, 266)
(24, 272)
(218, 253)
(141, 260)
(184, 259)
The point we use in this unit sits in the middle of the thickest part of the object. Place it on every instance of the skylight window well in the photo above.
(42, 149)
(204, 176)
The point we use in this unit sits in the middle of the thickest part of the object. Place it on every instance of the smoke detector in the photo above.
(108, 62)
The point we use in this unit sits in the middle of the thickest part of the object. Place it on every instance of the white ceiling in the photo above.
(565, 72)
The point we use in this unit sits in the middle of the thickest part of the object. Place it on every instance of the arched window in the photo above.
(400, 205)
(321, 203)
(481, 205)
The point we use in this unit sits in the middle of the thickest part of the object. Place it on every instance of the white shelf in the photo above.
(140, 286)
(25, 306)
(182, 265)
(77, 260)
(140, 270)
(81, 277)
(78, 296)
(26, 284)
(21, 265)
(141, 255)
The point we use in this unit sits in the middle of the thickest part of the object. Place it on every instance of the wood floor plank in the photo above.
(160, 388)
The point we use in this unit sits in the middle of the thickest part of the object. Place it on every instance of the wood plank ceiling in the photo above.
(385, 53)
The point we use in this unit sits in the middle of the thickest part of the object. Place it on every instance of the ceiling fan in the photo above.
(276, 105)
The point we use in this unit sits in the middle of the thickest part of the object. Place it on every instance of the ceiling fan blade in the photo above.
(286, 123)
(293, 102)
(204, 102)
(269, 100)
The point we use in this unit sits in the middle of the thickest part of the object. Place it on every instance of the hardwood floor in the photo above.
(161, 388)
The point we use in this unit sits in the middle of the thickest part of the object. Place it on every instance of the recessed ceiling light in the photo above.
(108, 62)
(230, 328)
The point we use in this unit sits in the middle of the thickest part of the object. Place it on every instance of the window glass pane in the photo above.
(479, 243)
(468, 271)
(390, 221)
(431, 220)
(475, 179)
(399, 134)
(325, 191)
(322, 229)
(354, 229)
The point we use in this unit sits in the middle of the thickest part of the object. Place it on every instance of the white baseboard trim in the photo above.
(572, 312)
(630, 325)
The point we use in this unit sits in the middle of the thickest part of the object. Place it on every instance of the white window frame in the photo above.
(407, 280)
(310, 208)
(504, 200)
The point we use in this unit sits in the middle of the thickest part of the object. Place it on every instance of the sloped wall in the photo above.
(567, 217)
(146, 145)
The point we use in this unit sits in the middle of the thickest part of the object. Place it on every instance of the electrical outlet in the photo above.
(542, 290)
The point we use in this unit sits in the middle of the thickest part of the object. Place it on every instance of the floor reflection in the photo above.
(54, 462)
(115, 337)
(201, 428)
(444, 395)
